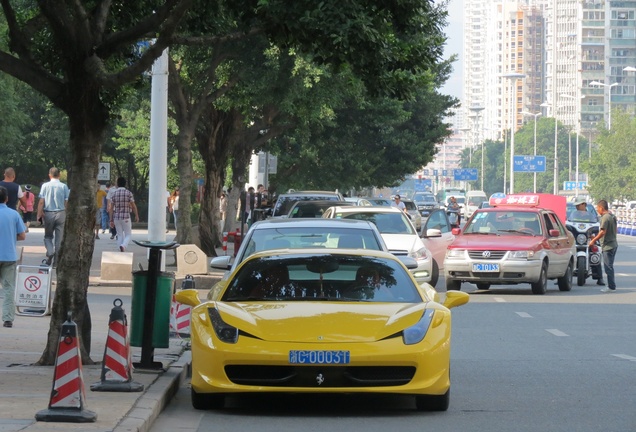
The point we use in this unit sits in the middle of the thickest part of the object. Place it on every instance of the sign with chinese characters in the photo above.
(529, 163)
(571, 185)
(32, 287)
(468, 174)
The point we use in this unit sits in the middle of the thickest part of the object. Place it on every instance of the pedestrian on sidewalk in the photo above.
(52, 209)
(100, 199)
(609, 243)
(27, 211)
(174, 206)
(121, 205)
(14, 189)
(110, 190)
(11, 230)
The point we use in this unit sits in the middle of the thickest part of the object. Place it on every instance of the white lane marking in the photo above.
(524, 314)
(625, 357)
(499, 300)
(556, 332)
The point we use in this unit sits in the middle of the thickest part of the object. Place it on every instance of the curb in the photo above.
(148, 407)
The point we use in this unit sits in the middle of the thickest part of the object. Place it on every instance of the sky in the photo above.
(454, 45)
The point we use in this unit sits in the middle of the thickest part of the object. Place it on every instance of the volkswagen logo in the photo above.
(485, 254)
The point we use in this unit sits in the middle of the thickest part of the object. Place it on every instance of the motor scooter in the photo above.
(588, 258)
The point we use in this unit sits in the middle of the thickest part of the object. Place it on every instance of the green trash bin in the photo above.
(163, 300)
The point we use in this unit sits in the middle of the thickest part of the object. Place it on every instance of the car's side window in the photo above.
(437, 221)
(557, 223)
(548, 223)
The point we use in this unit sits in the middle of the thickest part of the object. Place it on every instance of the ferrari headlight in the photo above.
(581, 239)
(455, 253)
(420, 254)
(521, 255)
(225, 332)
(415, 334)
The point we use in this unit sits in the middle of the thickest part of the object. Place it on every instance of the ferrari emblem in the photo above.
(320, 379)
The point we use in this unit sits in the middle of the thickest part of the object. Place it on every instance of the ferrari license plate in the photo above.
(483, 267)
(318, 357)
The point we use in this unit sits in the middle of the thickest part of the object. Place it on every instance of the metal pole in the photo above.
(512, 136)
(577, 164)
(556, 159)
(157, 177)
(534, 188)
(504, 157)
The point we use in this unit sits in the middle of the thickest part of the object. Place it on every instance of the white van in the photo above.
(473, 200)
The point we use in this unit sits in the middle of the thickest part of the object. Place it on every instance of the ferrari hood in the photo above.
(320, 322)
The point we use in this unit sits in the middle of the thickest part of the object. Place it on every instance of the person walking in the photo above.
(11, 230)
(100, 197)
(27, 211)
(609, 244)
(398, 203)
(103, 209)
(174, 206)
(14, 189)
(122, 203)
(247, 201)
(223, 206)
(109, 195)
(52, 209)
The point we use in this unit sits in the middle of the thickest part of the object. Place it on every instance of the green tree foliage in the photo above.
(611, 169)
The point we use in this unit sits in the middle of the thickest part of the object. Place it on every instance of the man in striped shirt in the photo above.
(122, 203)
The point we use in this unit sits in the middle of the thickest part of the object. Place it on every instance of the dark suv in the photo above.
(425, 202)
(285, 201)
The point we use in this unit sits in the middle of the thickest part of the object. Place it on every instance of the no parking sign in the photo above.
(33, 290)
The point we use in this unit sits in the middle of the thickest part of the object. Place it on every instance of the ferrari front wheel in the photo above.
(433, 402)
(205, 401)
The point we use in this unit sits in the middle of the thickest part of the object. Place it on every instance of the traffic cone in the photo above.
(116, 367)
(67, 396)
(181, 312)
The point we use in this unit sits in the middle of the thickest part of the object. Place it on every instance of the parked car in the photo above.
(313, 209)
(383, 202)
(517, 241)
(398, 233)
(437, 236)
(286, 201)
(484, 204)
(473, 200)
(285, 233)
(425, 202)
(290, 321)
(414, 213)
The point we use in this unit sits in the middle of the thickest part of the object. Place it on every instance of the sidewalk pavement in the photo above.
(25, 389)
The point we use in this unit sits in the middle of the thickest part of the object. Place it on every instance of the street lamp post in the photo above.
(556, 142)
(477, 110)
(609, 101)
(535, 115)
(578, 123)
(513, 77)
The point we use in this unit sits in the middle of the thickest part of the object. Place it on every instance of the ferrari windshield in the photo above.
(503, 222)
(323, 277)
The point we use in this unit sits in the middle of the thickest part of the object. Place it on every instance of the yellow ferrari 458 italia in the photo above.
(321, 321)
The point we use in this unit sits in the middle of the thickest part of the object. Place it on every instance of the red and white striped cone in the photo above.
(225, 243)
(67, 396)
(183, 320)
(116, 367)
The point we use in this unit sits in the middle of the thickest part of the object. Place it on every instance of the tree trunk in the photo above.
(87, 123)
(184, 166)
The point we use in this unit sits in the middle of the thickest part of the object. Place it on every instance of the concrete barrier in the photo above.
(191, 260)
(117, 266)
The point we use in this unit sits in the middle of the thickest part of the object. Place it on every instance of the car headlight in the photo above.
(581, 239)
(455, 253)
(225, 332)
(420, 254)
(521, 255)
(415, 334)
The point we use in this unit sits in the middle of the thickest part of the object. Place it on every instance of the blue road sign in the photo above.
(422, 185)
(435, 172)
(570, 185)
(529, 163)
(444, 173)
(469, 174)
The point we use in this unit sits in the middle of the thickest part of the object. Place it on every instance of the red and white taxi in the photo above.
(521, 239)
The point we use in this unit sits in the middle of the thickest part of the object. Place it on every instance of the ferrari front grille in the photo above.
(320, 376)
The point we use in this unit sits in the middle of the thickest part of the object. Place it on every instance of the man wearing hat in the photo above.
(581, 214)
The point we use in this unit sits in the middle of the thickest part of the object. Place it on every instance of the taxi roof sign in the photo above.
(556, 203)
